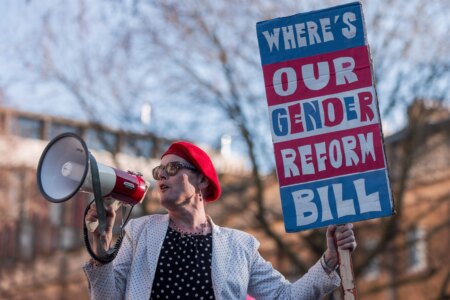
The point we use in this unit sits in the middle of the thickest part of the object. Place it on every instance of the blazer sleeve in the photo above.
(109, 281)
(267, 283)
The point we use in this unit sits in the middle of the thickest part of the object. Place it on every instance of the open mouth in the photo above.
(163, 187)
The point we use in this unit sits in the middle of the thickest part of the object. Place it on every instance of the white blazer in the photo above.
(237, 267)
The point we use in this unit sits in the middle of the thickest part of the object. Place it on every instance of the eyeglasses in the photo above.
(171, 169)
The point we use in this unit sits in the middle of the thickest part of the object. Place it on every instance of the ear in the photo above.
(203, 182)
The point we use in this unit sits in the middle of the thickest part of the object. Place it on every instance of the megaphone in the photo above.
(64, 169)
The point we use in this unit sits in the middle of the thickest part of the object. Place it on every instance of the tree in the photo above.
(201, 57)
(222, 43)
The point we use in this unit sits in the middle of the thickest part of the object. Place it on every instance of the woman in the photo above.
(184, 255)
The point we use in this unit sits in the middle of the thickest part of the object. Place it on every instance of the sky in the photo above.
(79, 37)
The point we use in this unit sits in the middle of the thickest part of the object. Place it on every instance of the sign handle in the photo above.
(346, 272)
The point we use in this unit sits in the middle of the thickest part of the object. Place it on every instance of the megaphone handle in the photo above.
(91, 226)
(101, 216)
(110, 253)
(96, 186)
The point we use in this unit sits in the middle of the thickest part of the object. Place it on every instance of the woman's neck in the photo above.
(190, 221)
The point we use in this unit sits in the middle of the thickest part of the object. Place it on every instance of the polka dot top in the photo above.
(184, 267)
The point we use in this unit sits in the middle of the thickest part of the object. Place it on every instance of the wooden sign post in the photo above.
(346, 272)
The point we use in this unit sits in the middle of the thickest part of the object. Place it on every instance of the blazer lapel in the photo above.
(220, 257)
(154, 238)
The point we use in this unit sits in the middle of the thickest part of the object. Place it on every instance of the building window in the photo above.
(27, 239)
(68, 238)
(372, 271)
(136, 146)
(101, 140)
(58, 128)
(28, 128)
(416, 250)
(162, 146)
(55, 214)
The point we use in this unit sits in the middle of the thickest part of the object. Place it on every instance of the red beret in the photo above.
(201, 161)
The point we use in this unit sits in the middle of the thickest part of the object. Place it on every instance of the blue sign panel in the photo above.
(312, 33)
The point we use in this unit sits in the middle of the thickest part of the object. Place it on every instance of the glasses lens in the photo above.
(172, 168)
(156, 172)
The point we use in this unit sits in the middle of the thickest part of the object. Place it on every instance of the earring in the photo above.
(200, 195)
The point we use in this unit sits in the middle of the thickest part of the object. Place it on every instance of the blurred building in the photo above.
(41, 247)
(415, 263)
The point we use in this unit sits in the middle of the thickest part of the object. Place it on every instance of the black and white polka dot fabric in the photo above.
(184, 268)
(237, 268)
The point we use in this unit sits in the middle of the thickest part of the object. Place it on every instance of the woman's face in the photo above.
(178, 189)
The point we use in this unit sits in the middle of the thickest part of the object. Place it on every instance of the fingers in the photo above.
(91, 215)
(345, 242)
(101, 239)
(109, 210)
(345, 227)
(345, 237)
(331, 229)
(349, 246)
(344, 234)
(92, 218)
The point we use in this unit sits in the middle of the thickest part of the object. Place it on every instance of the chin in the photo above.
(167, 202)
(173, 202)
(164, 201)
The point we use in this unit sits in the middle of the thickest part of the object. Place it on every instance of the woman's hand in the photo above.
(345, 240)
(101, 240)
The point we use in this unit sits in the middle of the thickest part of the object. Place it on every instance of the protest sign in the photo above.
(324, 117)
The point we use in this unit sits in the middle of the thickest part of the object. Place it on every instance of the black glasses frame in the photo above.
(171, 169)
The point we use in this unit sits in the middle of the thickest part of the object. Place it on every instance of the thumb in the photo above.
(331, 231)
